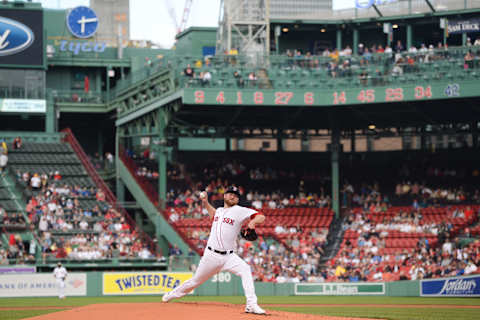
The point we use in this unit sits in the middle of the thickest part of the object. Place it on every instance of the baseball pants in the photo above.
(212, 263)
(61, 288)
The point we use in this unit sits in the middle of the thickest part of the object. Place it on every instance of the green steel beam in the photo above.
(409, 36)
(75, 107)
(162, 157)
(85, 62)
(339, 39)
(335, 155)
(376, 19)
(149, 107)
(162, 227)
(50, 115)
(355, 41)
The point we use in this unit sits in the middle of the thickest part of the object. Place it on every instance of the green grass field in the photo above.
(401, 310)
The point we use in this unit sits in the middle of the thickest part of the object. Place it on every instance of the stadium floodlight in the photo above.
(371, 126)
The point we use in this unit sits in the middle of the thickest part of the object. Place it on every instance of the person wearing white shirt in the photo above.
(83, 225)
(471, 267)
(35, 182)
(60, 273)
(43, 224)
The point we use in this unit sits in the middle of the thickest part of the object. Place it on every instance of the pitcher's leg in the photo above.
(237, 266)
(207, 267)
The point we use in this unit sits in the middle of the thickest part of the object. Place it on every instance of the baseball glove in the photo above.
(249, 234)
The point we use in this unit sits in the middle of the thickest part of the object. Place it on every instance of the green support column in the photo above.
(98, 80)
(335, 150)
(162, 158)
(120, 188)
(107, 82)
(50, 116)
(464, 39)
(355, 41)
(279, 141)
(353, 146)
(409, 36)
(138, 218)
(339, 39)
(119, 185)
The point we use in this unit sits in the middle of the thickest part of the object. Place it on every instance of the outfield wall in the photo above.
(94, 284)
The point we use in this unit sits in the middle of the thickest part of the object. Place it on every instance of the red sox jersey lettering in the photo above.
(229, 221)
(226, 226)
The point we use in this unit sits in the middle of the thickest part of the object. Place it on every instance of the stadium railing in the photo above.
(78, 96)
(110, 197)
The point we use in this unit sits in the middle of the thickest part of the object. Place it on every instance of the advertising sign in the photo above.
(451, 287)
(359, 4)
(41, 285)
(133, 283)
(23, 105)
(462, 26)
(17, 269)
(340, 289)
(21, 37)
(82, 22)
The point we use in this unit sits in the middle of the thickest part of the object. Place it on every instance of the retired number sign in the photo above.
(361, 96)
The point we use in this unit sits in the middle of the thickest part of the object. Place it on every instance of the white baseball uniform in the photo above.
(220, 253)
(60, 273)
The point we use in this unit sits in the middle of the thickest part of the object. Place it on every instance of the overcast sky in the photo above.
(150, 20)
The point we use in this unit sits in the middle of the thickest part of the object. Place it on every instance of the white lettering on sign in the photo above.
(458, 286)
(3, 39)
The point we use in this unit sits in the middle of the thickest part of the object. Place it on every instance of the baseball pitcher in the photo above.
(220, 253)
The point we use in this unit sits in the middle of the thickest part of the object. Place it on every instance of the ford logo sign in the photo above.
(14, 37)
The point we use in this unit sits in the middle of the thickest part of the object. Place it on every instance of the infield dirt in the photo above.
(177, 311)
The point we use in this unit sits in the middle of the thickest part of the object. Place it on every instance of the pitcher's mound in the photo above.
(172, 311)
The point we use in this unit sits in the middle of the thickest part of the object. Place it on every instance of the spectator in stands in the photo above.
(252, 79)
(238, 78)
(35, 182)
(3, 214)
(399, 47)
(100, 195)
(57, 176)
(189, 72)
(468, 60)
(206, 78)
(3, 257)
(3, 156)
(470, 267)
(17, 143)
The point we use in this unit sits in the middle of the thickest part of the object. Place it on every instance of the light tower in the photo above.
(244, 25)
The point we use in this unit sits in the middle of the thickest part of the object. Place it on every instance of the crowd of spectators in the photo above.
(393, 60)
(367, 257)
(437, 253)
(106, 162)
(17, 251)
(68, 226)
